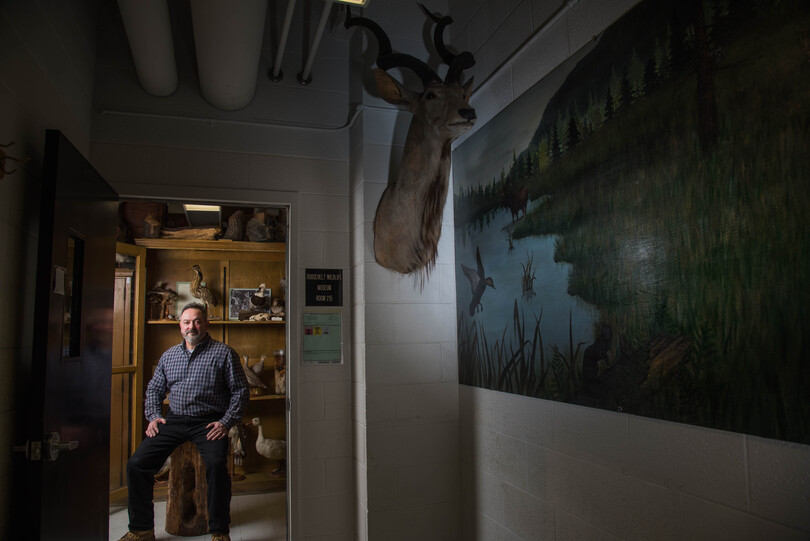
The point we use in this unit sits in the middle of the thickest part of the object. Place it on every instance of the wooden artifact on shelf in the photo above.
(200, 233)
(161, 295)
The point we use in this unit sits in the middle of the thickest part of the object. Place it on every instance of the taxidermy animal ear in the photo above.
(391, 91)
(468, 88)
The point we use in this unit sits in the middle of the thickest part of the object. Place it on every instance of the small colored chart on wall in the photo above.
(321, 336)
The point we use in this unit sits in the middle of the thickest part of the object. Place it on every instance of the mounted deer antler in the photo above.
(408, 222)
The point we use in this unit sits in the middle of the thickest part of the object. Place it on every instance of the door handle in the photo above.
(31, 449)
(53, 445)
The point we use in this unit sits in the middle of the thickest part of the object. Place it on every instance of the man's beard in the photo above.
(193, 338)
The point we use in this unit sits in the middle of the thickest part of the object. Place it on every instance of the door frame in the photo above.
(135, 369)
(295, 289)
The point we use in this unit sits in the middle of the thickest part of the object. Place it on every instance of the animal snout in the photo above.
(467, 114)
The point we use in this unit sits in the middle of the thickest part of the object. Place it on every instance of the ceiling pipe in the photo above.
(149, 33)
(228, 39)
(275, 73)
(304, 77)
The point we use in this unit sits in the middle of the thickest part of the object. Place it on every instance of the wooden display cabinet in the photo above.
(225, 265)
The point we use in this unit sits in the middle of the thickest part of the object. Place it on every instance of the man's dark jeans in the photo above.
(152, 453)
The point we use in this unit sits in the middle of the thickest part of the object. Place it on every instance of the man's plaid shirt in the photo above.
(208, 380)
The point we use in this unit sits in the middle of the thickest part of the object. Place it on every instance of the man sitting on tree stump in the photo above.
(208, 395)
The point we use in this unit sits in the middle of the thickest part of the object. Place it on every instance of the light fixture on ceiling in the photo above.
(361, 3)
(202, 215)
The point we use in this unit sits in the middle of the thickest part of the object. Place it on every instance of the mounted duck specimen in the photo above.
(269, 448)
(258, 367)
(257, 386)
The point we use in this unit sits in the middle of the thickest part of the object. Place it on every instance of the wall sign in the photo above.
(324, 287)
(321, 335)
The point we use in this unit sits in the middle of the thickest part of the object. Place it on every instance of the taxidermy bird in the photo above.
(269, 448)
(277, 306)
(200, 291)
(477, 282)
(254, 380)
(256, 230)
(259, 298)
(238, 436)
(259, 366)
(236, 226)
(162, 295)
(151, 227)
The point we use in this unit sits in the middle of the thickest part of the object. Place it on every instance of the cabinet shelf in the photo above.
(252, 397)
(215, 322)
(217, 245)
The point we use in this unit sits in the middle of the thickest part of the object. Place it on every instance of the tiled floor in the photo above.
(254, 517)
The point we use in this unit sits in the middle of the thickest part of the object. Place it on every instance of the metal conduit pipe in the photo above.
(275, 72)
(304, 77)
(228, 39)
(149, 33)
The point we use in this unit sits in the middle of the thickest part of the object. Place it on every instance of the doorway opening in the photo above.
(234, 259)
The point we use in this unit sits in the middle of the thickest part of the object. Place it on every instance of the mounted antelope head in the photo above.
(408, 222)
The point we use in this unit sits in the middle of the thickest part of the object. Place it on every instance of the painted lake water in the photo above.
(505, 267)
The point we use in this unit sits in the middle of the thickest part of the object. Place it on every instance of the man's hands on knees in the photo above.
(152, 428)
(217, 432)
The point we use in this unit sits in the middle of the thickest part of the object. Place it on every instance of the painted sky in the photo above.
(482, 156)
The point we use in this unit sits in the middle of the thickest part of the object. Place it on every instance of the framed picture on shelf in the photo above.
(183, 297)
(239, 302)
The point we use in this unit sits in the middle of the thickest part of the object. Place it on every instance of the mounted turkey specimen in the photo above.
(198, 290)
(408, 221)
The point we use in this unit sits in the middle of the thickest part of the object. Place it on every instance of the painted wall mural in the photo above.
(632, 232)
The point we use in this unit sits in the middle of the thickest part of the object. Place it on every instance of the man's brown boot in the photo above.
(145, 535)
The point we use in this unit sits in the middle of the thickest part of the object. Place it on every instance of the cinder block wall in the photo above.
(534, 469)
(406, 381)
(36, 92)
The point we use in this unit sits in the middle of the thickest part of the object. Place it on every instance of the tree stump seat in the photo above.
(186, 506)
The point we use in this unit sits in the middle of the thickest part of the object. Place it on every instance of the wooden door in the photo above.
(61, 485)
(127, 385)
